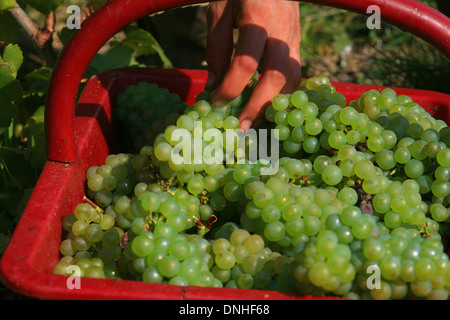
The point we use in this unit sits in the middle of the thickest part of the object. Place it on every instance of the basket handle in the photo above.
(410, 15)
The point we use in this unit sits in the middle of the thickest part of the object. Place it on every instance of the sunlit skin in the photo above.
(269, 34)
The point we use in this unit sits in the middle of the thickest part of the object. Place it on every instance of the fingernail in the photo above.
(211, 80)
(219, 103)
(246, 124)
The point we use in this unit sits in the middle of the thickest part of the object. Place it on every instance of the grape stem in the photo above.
(210, 223)
(204, 199)
(166, 184)
(199, 222)
(423, 230)
(95, 206)
(124, 240)
(202, 228)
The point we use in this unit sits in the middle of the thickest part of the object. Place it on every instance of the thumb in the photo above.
(219, 42)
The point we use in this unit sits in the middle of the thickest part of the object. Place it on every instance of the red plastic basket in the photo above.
(78, 139)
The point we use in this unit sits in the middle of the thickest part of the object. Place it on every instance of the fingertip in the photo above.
(246, 119)
(220, 98)
(246, 124)
(211, 81)
(217, 101)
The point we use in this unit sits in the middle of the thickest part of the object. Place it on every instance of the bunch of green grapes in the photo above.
(375, 140)
(331, 243)
(138, 194)
(145, 110)
(360, 186)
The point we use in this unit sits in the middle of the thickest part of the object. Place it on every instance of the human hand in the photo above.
(269, 32)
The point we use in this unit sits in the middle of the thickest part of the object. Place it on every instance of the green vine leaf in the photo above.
(35, 128)
(144, 43)
(4, 239)
(44, 6)
(10, 94)
(9, 27)
(38, 81)
(10, 90)
(7, 4)
(12, 59)
(117, 57)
